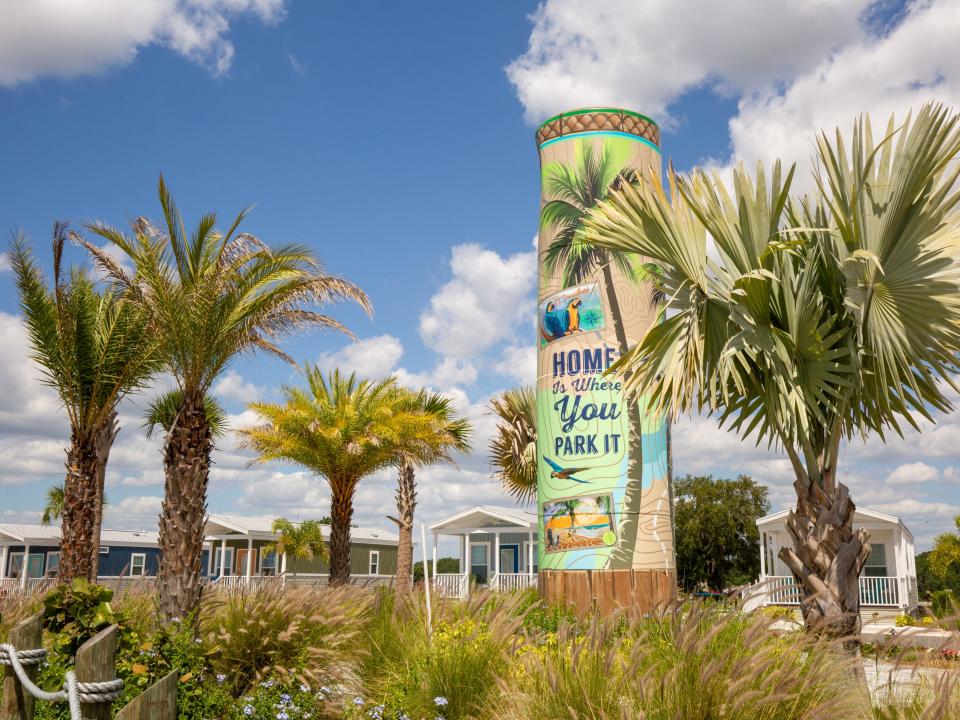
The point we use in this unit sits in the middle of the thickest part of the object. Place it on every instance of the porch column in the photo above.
(530, 554)
(496, 555)
(223, 556)
(283, 566)
(210, 553)
(434, 575)
(3, 562)
(467, 565)
(25, 568)
(249, 558)
(763, 555)
(463, 554)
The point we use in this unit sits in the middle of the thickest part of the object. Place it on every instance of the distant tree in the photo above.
(716, 530)
(300, 541)
(929, 581)
(945, 556)
(444, 565)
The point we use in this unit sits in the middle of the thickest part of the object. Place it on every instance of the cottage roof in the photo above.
(488, 516)
(40, 534)
(262, 528)
(862, 516)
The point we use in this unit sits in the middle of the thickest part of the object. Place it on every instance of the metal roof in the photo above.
(38, 534)
(488, 516)
(261, 527)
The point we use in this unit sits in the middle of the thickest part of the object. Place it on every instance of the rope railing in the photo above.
(73, 692)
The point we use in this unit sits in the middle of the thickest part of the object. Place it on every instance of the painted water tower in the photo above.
(603, 485)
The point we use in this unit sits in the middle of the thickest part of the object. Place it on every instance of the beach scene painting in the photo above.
(578, 522)
(571, 311)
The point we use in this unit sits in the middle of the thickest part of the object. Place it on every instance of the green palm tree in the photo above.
(94, 348)
(210, 297)
(513, 449)
(823, 318)
(571, 192)
(449, 433)
(53, 510)
(343, 429)
(299, 541)
(570, 508)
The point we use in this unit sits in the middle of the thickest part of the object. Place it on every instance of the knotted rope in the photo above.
(74, 692)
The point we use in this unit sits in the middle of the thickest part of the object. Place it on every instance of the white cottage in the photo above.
(888, 580)
(500, 543)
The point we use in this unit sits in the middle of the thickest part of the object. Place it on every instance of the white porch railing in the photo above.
(450, 585)
(782, 590)
(508, 582)
(11, 586)
(231, 581)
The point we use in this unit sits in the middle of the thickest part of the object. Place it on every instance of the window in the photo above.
(219, 568)
(374, 562)
(268, 563)
(53, 563)
(876, 565)
(104, 550)
(16, 564)
(138, 564)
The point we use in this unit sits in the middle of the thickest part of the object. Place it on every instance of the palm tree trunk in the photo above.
(341, 513)
(79, 516)
(106, 435)
(406, 503)
(827, 556)
(628, 523)
(186, 464)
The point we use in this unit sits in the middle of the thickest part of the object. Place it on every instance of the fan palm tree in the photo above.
(300, 541)
(571, 191)
(513, 449)
(822, 318)
(94, 348)
(343, 429)
(210, 297)
(449, 434)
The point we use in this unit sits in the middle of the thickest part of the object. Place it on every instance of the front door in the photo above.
(242, 562)
(510, 559)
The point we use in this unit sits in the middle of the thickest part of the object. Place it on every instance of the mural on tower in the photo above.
(602, 481)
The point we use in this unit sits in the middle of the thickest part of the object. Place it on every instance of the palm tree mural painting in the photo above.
(571, 192)
(570, 508)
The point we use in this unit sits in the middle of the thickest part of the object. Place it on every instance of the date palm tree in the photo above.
(300, 541)
(94, 348)
(821, 319)
(571, 192)
(513, 449)
(53, 510)
(449, 434)
(344, 429)
(210, 298)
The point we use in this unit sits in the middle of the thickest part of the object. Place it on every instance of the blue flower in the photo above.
(376, 712)
(282, 716)
(284, 698)
(248, 710)
(358, 701)
(221, 677)
(267, 684)
(440, 701)
(304, 688)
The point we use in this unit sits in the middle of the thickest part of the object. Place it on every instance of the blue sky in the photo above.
(396, 139)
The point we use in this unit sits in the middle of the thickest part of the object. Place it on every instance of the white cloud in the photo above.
(138, 512)
(296, 64)
(4, 262)
(482, 304)
(67, 38)
(644, 54)
(916, 62)
(372, 357)
(915, 472)
(519, 362)
(233, 386)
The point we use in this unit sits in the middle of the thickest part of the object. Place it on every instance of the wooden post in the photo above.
(96, 662)
(17, 704)
(157, 702)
